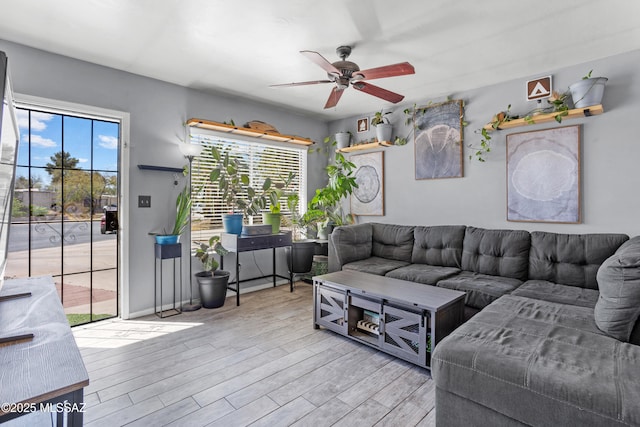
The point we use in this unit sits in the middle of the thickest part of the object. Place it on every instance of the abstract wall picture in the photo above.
(543, 175)
(438, 140)
(368, 198)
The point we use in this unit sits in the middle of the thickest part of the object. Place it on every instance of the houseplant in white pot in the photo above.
(212, 283)
(588, 91)
(384, 129)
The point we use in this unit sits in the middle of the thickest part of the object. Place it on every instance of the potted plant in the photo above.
(343, 139)
(302, 248)
(212, 283)
(274, 216)
(384, 129)
(325, 208)
(588, 91)
(183, 216)
(241, 199)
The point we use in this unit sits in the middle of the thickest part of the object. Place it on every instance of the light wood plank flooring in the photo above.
(260, 364)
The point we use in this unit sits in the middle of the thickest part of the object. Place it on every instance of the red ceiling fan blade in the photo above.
(334, 97)
(302, 83)
(387, 95)
(316, 58)
(400, 69)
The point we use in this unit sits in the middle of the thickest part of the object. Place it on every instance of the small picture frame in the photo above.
(363, 125)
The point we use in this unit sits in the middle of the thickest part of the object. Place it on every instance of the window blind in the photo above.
(260, 161)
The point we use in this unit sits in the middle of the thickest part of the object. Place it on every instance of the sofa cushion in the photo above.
(351, 243)
(392, 241)
(496, 252)
(554, 292)
(438, 245)
(571, 259)
(375, 265)
(618, 307)
(541, 363)
(481, 289)
(423, 273)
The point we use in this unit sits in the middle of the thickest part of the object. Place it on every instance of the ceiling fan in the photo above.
(344, 72)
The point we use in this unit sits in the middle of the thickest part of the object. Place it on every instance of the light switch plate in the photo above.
(144, 201)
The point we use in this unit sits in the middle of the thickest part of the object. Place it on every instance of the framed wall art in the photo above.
(368, 198)
(543, 175)
(438, 140)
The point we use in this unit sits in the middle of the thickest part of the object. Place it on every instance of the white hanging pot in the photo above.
(588, 92)
(383, 131)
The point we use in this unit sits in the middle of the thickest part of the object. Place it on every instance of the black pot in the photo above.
(303, 252)
(213, 289)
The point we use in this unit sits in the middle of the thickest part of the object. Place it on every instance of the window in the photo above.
(261, 161)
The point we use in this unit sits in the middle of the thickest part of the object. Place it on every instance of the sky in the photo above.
(49, 132)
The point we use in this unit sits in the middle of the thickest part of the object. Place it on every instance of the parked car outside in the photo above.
(109, 221)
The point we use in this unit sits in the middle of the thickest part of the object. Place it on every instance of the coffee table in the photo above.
(405, 319)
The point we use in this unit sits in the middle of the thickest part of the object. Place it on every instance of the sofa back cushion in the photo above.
(439, 245)
(618, 306)
(571, 259)
(496, 252)
(352, 242)
(392, 241)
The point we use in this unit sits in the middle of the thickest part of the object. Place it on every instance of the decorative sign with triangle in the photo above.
(539, 88)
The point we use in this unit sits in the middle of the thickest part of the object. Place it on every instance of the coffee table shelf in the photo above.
(410, 318)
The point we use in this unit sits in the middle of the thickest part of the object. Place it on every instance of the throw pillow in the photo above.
(618, 306)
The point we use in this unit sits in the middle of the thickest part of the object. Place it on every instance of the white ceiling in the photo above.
(243, 46)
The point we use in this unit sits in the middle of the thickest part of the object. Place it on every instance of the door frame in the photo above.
(89, 111)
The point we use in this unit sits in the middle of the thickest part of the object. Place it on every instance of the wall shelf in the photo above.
(365, 146)
(549, 117)
(236, 130)
(160, 168)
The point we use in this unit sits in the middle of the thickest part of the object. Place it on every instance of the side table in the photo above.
(162, 252)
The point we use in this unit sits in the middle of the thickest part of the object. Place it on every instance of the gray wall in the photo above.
(610, 149)
(610, 154)
(157, 110)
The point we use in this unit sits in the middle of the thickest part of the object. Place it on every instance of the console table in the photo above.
(399, 317)
(45, 373)
(241, 243)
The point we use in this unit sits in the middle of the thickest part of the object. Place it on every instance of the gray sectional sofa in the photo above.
(552, 335)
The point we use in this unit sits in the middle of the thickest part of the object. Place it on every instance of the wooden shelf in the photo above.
(365, 146)
(549, 117)
(160, 168)
(236, 130)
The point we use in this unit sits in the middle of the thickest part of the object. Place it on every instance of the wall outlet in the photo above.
(144, 201)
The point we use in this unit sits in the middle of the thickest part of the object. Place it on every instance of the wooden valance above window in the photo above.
(255, 133)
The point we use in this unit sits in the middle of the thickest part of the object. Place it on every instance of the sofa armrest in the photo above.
(349, 243)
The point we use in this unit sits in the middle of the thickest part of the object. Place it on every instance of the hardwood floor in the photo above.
(260, 364)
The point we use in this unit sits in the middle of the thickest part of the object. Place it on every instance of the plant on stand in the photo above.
(183, 217)
(212, 283)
